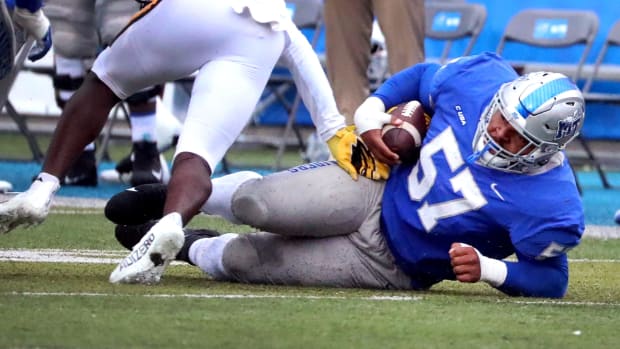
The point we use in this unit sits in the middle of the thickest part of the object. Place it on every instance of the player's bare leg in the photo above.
(82, 118)
(189, 187)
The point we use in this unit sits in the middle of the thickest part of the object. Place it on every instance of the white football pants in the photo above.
(232, 55)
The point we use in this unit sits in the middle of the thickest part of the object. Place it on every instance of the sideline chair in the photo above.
(449, 22)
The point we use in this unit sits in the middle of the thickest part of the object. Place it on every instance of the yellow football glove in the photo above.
(354, 157)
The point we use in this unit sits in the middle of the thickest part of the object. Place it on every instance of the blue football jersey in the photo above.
(444, 199)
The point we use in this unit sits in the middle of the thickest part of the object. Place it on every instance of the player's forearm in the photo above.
(312, 85)
(412, 83)
(536, 279)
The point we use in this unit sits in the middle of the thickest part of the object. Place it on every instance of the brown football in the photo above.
(406, 140)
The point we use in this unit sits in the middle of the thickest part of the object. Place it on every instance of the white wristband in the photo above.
(492, 271)
(36, 24)
(371, 115)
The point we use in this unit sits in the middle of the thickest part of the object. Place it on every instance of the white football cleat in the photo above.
(27, 208)
(149, 258)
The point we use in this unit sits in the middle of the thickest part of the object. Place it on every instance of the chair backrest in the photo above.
(553, 28)
(612, 39)
(306, 13)
(451, 21)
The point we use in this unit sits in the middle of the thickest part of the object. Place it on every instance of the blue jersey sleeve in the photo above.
(536, 278)
(551, 224)
(413, 83)
(30, 5)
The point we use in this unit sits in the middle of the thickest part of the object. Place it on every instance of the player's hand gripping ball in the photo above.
(406, 139)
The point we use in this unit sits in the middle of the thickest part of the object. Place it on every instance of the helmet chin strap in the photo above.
(477, 154)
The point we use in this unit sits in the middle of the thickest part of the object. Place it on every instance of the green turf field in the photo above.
(71, 305)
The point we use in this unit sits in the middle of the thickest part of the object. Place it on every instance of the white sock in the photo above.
(220, 201)
(46, 185)
(173, 218)
(46, 177)
(207, 254)
(143, 127)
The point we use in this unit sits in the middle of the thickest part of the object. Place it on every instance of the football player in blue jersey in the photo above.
(29, 17)
(492, 181)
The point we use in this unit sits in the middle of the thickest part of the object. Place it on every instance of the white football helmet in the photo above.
(547, 109)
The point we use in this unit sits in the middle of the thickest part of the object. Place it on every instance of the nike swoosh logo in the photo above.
(157, 174)
(132, 189)
(494, 188)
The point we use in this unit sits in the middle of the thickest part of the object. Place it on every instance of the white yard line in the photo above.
(62, 256)
(602, 232)
(213, 296)
(553, 302)
(113, 256)
(291, 296)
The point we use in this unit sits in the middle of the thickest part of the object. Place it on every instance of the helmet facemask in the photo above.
(546, 109)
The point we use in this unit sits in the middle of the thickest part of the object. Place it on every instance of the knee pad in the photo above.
(137, 205)
(250, 208)
(74, 28)
(240, 256)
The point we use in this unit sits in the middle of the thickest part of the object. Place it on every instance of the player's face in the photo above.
(506, 136)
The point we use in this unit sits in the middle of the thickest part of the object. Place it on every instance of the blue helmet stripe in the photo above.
(542, 94)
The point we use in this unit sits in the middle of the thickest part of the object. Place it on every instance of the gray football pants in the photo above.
(319, 228)
(81, 27)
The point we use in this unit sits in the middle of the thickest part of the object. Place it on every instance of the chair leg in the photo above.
(290, 125)
(37, 154)
(103, 154)
(596, 163)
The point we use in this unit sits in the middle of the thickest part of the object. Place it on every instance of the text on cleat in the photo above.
(138, 253)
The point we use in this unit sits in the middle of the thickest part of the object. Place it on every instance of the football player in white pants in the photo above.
(82, 28)
(233, 45)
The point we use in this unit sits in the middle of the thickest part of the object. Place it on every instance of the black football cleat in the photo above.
(191, 236)
(130, 235)
(83, 172)
(146, 166)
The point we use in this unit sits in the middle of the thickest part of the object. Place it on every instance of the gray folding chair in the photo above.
(16, 39)
(611, 40)
(554, 29)
(449, 21)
